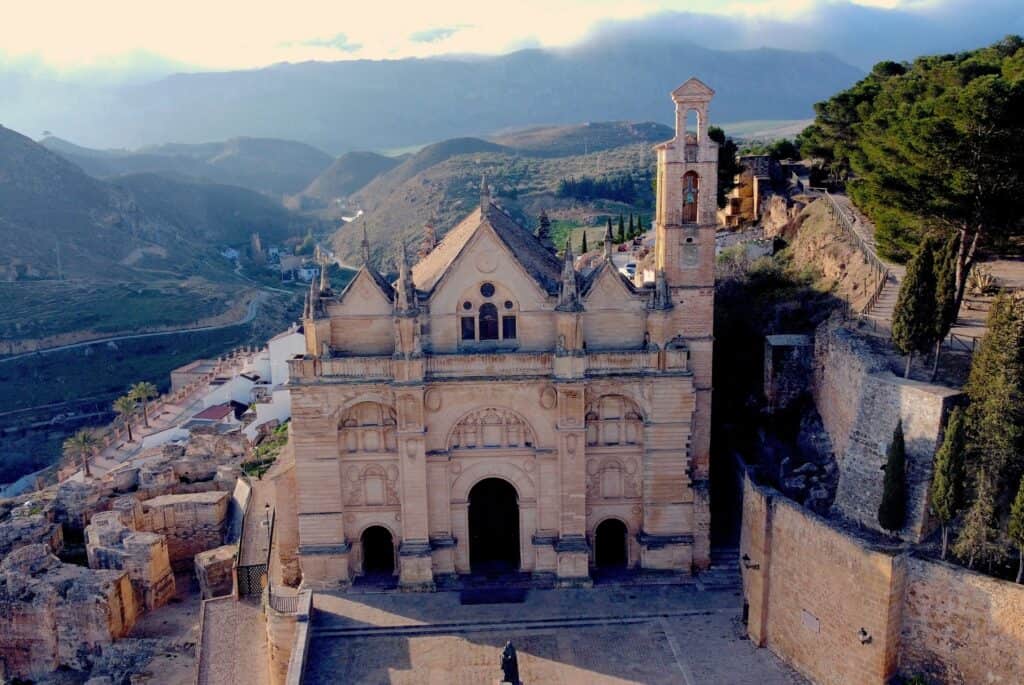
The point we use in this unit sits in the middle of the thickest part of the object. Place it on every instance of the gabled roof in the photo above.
(372, 274)
(591, 279)
(536, 259)
(693, 87)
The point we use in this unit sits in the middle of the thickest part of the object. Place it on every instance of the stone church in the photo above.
(495, 409)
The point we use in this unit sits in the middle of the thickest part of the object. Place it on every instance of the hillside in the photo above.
(277, 167)
(442, 182)
(137, 252)
(380, 104)
(344, 176)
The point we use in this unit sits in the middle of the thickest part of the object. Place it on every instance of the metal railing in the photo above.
(879, 271)
(284, 604)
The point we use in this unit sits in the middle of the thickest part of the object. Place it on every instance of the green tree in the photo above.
(947, 481)
(946, 305)
(639, 225)
(932, 144)
(125, 407)
(307, 245)
(978, 540)
(729, 166)
(892, 511)
(1016, 528)
(913, 321)
(583, 243)
(622, 230)
(632, 227)
(143, 391)
(995, 415)
(81, 447)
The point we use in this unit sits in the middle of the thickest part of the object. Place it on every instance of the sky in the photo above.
(122, 39)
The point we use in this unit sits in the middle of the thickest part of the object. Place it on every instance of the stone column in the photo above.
(573, 552)
(415, 565)
(323, 550)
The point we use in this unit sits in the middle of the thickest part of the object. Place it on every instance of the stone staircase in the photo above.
(880, 313)
(724, 573)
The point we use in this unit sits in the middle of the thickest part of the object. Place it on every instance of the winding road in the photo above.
(250, 314)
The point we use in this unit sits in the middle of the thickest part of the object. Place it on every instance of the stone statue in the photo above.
(510, 665)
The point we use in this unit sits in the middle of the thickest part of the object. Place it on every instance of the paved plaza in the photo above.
(683, 633)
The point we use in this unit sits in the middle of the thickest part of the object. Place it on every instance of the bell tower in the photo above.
(686, 205)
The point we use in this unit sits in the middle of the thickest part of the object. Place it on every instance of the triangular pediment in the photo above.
(607, 289)
(365, 295)
(693, 88)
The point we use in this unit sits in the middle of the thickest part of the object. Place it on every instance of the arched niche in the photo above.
(367, 428)
(492, 428)
(614, 420)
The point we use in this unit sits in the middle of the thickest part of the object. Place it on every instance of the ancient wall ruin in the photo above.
(860, 401)
(192, 523)
(842, 609)
(215, 571)
(110, 544)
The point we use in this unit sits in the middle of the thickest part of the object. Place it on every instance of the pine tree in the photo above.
(945, 293)
(1016, 528)
(947, 482)
(622, 229)
(583, 245)
(978, 538)
(913, 321)
(892, 510)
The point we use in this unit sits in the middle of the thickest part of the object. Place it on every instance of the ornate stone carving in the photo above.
(432, 400)
(491, 428)
(614, 420)
(612, 478)
(367, 427)
(548, 397)
(374, 485)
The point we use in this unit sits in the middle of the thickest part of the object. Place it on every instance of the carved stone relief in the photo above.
(491, 428)
(371, 485)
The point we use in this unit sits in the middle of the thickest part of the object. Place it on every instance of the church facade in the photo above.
(494, 409)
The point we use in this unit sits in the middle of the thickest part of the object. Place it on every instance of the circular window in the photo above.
(487, 289)
(508, 304)
(467, 305)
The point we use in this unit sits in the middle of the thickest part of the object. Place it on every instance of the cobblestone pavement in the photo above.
(687, 633)
(234, 644)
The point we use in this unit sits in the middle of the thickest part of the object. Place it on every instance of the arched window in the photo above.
(488, 321)
(691, 191)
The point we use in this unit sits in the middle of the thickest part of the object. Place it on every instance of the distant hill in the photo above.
(346, 175)
(441, 182)
(366, 104)
(277, 167)
(100, 225)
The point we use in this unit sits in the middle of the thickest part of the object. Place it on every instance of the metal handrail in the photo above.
(878, 267)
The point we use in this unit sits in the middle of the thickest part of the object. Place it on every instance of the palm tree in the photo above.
(143, 391)
(81, 446)
(125, 407)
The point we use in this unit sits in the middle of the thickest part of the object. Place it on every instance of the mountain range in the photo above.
(375, 105)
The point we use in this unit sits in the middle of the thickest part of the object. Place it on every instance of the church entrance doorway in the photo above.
(610, 546)
(378, 551)
(493, 527)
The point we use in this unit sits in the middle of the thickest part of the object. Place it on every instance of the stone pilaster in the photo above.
(415, 567)
(572, 549)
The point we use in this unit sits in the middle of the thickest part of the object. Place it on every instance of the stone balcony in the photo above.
(486, 365)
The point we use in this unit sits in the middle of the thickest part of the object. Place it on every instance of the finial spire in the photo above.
(662, 295)
(405, 300)
(325, 284)
(569, 294)
(485, 192)
(365, 245)
(608, 241)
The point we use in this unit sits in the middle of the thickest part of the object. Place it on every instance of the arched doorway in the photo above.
(493, 527)
(378, 551)
(610, 545)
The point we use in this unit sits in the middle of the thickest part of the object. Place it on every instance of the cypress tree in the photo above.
(1016, 528)
(622, 229)
(892, 511)
(632, 227)
(946, 305)
(639, 225)
(583, 244)
(978, 537)
(947, 482)
(913, 321)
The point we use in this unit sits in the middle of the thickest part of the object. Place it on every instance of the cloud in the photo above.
(437, 34)
(338, 42)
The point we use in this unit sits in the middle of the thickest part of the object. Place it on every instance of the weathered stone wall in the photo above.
(860, 402)
(214, 571)
(18, 531)
(112, 545)
(961, 627)
(54, 614)
(811, 586)
(810, 590)
(787, 368)
(192, 523)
